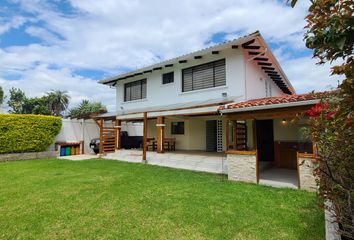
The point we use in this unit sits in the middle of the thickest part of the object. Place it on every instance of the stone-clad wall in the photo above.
(306, 166)
(27, 156)
(242, 167)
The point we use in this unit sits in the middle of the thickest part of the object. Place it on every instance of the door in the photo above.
(211, 136)
(265, 140)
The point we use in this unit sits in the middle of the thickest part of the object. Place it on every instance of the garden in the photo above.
(102, 199)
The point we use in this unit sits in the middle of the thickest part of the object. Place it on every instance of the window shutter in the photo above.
(220, 73)
(135, 90)
(203, 76)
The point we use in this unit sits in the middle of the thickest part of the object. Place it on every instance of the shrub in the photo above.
(27, 133)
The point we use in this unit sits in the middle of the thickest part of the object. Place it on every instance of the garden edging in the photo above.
(27, 156)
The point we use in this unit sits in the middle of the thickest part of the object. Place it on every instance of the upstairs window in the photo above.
(135, 90)
(203, 76)
(167, 78)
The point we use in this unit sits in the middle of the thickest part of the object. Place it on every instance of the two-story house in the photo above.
(184, 102)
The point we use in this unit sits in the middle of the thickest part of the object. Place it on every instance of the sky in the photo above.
(71, 44)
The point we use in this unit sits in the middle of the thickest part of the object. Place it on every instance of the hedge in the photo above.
(27, 132)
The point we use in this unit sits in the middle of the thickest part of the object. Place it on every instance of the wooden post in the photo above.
(257, 167)
(118, 127)
(254, 129)
(227, 134)
(145, 137)
(101, 136)
(234, 134)
(160, 122)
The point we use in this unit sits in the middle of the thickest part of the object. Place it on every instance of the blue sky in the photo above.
(70, 44)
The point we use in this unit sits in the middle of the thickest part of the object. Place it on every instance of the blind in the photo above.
(167, 78)
(203, 76)
(135, 90)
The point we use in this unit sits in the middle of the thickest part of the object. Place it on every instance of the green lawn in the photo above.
(101, 199)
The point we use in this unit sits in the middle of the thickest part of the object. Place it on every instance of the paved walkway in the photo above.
(279, 177)
(79, 157)
(191, 160)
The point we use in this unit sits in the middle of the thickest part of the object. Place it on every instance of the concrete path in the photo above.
(196, 161)
(279, 177)
(79, 157)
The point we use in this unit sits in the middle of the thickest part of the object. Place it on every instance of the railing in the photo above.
(108, 139)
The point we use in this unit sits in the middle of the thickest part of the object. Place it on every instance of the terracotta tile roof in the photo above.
(271, 101)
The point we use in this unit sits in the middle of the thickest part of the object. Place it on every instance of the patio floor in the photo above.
(192, 160)
(279, 177)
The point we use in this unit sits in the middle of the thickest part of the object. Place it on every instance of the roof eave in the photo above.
(188, 56)
(271, 106)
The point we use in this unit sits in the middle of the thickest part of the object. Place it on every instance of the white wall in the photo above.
(194, 137)
(159, 94)
(288, 131)
(133, 128)
(256, 81)
(74, 130)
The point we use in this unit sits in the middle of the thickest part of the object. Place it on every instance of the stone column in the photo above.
(242, 166)
(306, 164)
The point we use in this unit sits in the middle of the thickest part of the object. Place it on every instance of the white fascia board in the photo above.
(130, 116)
(275, 61)
(201, 110)
(271, 106)
(218, 47)
(213, 109)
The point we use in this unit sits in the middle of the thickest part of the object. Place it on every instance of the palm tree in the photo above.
(86, 108)
(58, 101)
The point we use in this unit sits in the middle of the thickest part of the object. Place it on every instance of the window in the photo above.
(135, 90)
(203, 76)
(167, 78)
(177, 128)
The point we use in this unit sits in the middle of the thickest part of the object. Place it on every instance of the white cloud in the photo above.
(41, 79)
(111, 35)
(13, 22)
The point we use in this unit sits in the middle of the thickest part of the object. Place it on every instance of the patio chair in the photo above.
(169, 144)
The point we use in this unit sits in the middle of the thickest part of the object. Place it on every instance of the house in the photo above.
(232, 98)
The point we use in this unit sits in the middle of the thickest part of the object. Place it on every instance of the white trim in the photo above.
(218, 47)
(204, 90)
(160, 125)
(134, 101)
(168, 84)
(211, 110)
(129, 116)
(271, 106)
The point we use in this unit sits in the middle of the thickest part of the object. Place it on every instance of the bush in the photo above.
(27, 133)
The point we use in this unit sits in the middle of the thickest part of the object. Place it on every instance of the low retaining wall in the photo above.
(305, 170)
(27, 156)
(242, 166)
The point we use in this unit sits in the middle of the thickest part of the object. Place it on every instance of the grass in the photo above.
(101, 199)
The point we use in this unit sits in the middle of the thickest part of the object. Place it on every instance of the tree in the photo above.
(330, 33)
(86, 108)
(16, 100)
(36, 105)
(58, 101)
(1, 95)
(53, 103)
